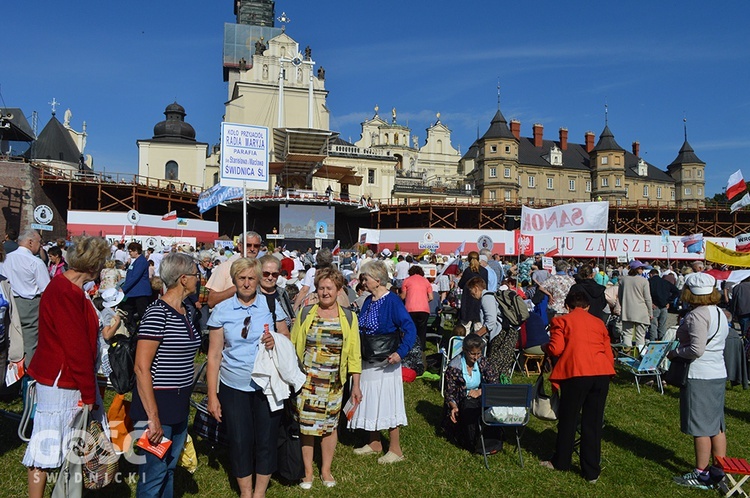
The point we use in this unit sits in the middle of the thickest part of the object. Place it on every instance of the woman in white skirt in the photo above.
(65, 362)
(382, 406)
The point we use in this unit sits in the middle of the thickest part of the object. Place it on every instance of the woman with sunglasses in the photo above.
(276, 296)
(167, 343)
(238, 327)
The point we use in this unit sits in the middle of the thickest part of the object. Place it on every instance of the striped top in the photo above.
(172, 367)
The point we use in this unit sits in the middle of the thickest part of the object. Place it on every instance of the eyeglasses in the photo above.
(197, 275)
(254, 246)
(246, 325)
(273, 274)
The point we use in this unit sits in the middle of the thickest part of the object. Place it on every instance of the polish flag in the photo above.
(336, 249)
(735, 185)
(552, 252)
(172, 215)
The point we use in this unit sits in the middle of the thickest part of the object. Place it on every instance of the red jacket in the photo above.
(68, 339)
(581, 342)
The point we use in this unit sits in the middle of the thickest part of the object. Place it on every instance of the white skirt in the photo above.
(56, 409)
(382, 405)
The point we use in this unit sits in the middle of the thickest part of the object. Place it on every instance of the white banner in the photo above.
(244, 156)
(574, 217)
(155, 242)
(742, 243)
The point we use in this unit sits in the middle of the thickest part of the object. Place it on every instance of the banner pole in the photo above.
(244, 219)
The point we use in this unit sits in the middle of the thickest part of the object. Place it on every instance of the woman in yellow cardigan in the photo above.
(326, 338)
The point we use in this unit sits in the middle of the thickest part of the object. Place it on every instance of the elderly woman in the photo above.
(383, 314)
(167, 344)
(276, 296)
(501, 341)
(469, 312)
(238, 327)
(137, 286)
(585, 364)
(701, 337)
(65, 362)
(326, 337)
(463, 392)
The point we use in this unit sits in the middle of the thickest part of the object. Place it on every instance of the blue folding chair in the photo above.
(514, 397)
(648, 364)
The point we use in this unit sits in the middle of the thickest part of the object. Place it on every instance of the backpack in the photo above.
(122, 361)
(512, 307)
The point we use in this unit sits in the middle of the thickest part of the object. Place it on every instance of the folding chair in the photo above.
(511, 396)
(647, 365)
(455, 346)
(734, 467)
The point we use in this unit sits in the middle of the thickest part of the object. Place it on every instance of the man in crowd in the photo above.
(28, 277)
(220, 285)
(637, 307)
(663, 292)
(10, 244)
(557, 287)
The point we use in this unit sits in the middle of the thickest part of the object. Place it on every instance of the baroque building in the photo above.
(506, 167)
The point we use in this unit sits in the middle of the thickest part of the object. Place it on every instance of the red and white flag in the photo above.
(336, 249)
(552, 252)
(735, 185)
(172, 215)
(123, 234)
(742, 243)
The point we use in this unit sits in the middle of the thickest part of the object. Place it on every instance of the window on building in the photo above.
(532, 181)
(493, 172)
(671, 194)
(588, 185)
(645, 191)
(493, 195)
(700, 192)
(617, 160)
(371, 176)
(605, 160)
(572, 185)
(508, 195)
(688, 191)
(550, 183)
(627, 191)
(688, 173)
(700, 173)
(506, 173)
(171, 171)
(658, 192)
(216, 178)
(617, 181)
(493, 148)
(507, 149)
(605, 181)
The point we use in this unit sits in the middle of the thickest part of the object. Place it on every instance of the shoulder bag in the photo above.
(677, 374)
(542, 406)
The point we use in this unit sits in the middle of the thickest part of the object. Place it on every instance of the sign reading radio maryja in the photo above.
(43, 215)
(429, 242)
(244, 155)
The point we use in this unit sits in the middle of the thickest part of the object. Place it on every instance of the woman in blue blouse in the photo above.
(381, 384)
(238, 327)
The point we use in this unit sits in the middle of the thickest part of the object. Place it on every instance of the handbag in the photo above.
(542, 406)
(378, 347)
(290, 465)
(99, 457)
(207, 427)
(679, 368)
(69, 482)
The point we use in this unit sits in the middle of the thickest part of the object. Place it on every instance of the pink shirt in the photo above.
(418, 290)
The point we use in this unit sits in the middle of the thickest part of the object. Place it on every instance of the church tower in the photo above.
(255, 12)
(607, 168)
(688, 171)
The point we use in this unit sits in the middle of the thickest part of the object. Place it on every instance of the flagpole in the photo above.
(244, 219)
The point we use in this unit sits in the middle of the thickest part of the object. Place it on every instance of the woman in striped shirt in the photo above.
(167, 344)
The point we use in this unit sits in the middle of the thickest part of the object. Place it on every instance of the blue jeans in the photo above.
(658, 327)
(156, 475)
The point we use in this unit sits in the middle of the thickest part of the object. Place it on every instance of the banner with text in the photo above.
(742, 243)
(722, 255)
(244, 155)
(574, 217)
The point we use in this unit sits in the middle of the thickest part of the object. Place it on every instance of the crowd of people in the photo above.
(287, 327)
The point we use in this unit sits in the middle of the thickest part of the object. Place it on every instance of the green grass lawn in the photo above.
(642, 449)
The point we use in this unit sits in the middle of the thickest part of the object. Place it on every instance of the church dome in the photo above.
(174, 128)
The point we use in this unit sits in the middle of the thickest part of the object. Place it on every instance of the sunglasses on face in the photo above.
(246, 325)
(253, 246)
(273, 274)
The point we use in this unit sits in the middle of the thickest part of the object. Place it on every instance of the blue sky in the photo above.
(117, 65)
